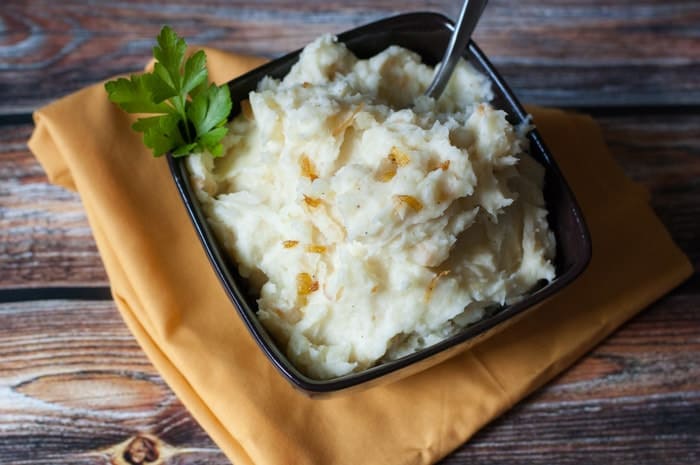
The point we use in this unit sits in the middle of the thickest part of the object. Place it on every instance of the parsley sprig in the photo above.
(190, 113)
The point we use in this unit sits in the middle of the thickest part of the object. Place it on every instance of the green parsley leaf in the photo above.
(211, 141)
(134, 95)
(160, 133)
(170, 52)
(195, 72)
(210, 108)
(190, 114)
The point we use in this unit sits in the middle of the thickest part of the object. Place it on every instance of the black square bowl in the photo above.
(426, 34)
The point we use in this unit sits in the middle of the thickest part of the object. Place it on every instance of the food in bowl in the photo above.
(371, 221)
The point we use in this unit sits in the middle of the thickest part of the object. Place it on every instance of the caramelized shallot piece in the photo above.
(314, 248)
(411, 201)
(308, 169)
(398, 158)
(312, 202)
(433, 283)
(387, 174)
(444, 166)
(289, 244)
(305, 284)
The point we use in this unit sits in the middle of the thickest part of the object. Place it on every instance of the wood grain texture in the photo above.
(76, 389)
(662, 152)
(44, 235)
(552, 52)
(45, 238)
(74, 384)
(73, 380)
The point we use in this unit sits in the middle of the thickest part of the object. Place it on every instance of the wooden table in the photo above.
(76, 389)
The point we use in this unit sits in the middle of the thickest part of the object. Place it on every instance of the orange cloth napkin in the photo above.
(172, 302)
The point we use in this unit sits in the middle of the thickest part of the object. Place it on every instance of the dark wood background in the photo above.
(76, 389)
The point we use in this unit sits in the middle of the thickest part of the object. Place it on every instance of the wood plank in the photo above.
(44, 235)
(662, 152)
(553, 52)
(45, 239)
(76, 389)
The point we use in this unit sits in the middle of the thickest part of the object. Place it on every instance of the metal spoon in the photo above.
(468, 18)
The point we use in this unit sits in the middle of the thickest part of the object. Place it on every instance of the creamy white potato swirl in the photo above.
(371, 221)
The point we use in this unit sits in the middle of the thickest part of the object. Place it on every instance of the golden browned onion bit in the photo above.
(411, 201)
(398, 158)
(313, 248)
(387, 174)
(444, 166)
(433, 283)
(375, 289)
(348, 121)
(308, 169)
(247, 110)
(306, 84)
(305, 284)
(312, 202)
(289, 244)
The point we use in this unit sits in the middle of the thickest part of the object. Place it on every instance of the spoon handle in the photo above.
(468, 18)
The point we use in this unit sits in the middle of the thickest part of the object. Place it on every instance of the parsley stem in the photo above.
(183, 114)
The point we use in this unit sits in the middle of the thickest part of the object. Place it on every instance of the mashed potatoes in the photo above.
(372, 221)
